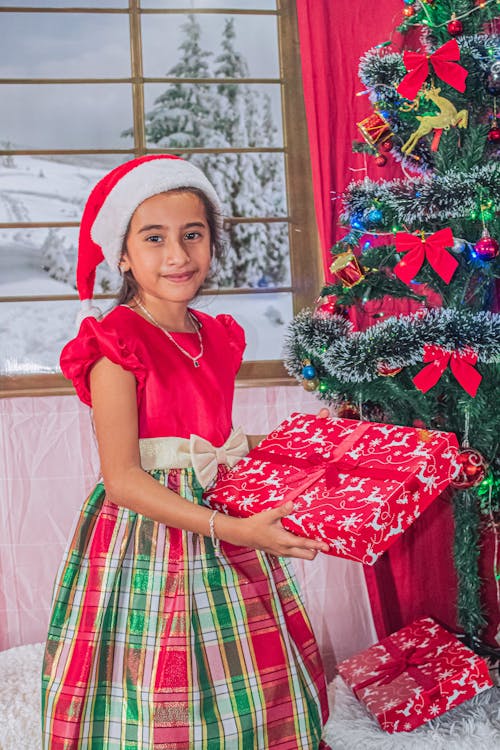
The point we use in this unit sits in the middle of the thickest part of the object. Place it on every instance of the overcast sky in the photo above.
(83, 45)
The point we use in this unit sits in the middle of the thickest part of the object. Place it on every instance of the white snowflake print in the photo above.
(347, 522)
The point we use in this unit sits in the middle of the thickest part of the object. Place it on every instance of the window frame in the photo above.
(305, 256)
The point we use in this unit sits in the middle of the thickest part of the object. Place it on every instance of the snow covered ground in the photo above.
(34, 262)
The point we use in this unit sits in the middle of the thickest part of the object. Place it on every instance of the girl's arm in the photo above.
(114, 403)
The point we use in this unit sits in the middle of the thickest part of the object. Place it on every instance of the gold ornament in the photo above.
(310, 385)
(448, 117)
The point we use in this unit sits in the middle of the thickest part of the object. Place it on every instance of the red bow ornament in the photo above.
(444, 61)
(461, 362)
(418, 248)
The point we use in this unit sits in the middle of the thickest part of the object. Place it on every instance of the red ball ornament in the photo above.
(455, 26)
(386, 145)
(494, 134)
(381, 160)
(472, 468)
(409, 11)
(487, 248)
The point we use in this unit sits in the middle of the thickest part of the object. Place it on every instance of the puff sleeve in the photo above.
(97, 339)
(236, 339)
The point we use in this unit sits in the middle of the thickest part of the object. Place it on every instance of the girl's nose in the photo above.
(175, 253)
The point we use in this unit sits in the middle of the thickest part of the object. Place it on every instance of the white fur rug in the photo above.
(473, 726)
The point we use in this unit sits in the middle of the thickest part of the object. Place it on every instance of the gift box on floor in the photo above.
(356, 485)
(414, 675)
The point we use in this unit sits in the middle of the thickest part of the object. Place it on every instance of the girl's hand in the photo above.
(323, 413)
(264, 531)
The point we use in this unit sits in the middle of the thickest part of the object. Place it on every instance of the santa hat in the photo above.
(111, 205)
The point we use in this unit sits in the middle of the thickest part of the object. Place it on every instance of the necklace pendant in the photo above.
(196, 363)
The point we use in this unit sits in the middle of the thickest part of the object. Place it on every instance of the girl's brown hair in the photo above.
(130, 289)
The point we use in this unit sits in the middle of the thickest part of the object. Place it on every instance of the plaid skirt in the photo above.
(156, 643)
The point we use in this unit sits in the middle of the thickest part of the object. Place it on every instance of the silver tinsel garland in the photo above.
(353, 356)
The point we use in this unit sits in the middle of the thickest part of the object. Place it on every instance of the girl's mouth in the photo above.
(179, 278)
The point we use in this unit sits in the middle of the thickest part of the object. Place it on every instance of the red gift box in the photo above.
(414, 675)
(356, 485)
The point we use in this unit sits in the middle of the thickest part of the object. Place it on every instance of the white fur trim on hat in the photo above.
(147, 179)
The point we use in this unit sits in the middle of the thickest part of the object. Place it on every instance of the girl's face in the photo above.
(169, 246)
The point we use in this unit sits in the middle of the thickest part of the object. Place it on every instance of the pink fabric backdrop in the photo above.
(49, 461)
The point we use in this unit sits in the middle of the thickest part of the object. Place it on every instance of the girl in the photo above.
(172, 626)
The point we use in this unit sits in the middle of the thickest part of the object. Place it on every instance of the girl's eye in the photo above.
(154, 238)
(192, 235)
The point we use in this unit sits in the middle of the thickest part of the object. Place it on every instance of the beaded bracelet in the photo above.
(215, 540)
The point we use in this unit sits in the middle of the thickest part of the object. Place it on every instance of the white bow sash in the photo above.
(206, 457)
(179, 453)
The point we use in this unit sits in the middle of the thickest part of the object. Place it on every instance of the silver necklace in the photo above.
(196, 327)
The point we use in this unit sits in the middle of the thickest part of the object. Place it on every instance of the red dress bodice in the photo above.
(174, 398)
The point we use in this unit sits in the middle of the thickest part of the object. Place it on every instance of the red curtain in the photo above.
(416, 576)
(333, 37)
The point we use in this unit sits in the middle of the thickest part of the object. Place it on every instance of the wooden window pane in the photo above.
(65, 116)
(42, 189)
(33, 334)
(258, 257)
(256, 39)
(240, 4)
(64, 45)
(188, 115)
(65, 3)
(42, 261)
(249, 185)
(257, 313)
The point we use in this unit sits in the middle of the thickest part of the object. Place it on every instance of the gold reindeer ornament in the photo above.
(446, 118)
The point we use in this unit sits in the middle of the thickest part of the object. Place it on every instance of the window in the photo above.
(85, 88)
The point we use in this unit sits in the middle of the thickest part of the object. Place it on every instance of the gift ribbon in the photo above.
(402, 661)
(444, 61)
(461, 363)
(330, 467)
(431, 247)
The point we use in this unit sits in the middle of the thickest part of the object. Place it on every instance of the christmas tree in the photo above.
(408, 329)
